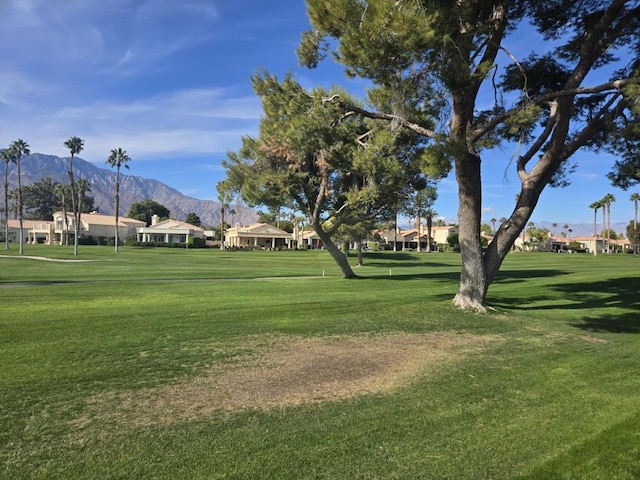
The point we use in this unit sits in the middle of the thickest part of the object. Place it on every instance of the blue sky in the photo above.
(168, 81)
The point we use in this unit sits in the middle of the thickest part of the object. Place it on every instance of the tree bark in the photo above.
(472, 288)
(334, 251)
(117, 202)
(74, 206)
(20, 210)
(6, 205)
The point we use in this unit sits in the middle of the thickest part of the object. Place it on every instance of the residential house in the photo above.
(441, 234)
(93, 225)
(257, 235)
(603, 245)
(54, 232)
(169, 231)
(308, 239)
(408, 239)
(33, 231)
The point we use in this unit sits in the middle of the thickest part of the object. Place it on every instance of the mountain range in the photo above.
(133, 189)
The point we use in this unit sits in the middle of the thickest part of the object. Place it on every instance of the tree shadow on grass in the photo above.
(398, 262)
(623, 323)
(622, 295)
(617, 298)
(519, 276)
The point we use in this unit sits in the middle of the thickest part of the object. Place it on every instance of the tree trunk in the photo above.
(429, 228)
(64, 235)
(117, 202)
(604, 225)
(77, 227)
(334, 251)
(635, 225)
(609, 226)
(6, 206)
(222, 226)
(595, 232)
(472, 288)
(74, 206)
(395, 233)
(21, 233)
(359, 252)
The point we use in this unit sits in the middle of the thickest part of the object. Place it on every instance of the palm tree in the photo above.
(20, 148)
(63, 193)
(9, 156)
(118, 158)
(607, 201)
(75, 145)
(634, 198)
(604, 224)
(429, 213)
(493, 225)
(595, 206)
(224, 198)
(82, 187)
(554, 226)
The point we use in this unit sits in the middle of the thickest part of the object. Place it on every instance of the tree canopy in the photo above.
(309, 156)
(146, 209)
(193, 219)
(41, 199)
(434, 65)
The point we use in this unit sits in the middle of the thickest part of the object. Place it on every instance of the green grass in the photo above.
(556, 396)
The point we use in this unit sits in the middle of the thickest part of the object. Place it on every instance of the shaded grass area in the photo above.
(557, 397)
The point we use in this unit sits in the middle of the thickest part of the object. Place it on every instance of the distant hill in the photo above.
(133, 189)
(583, 229)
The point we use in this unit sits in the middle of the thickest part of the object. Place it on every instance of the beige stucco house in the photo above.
(33, 231)
(408, 238)
(53, 232)
(96, 225)
(169, 231)
(260, 235)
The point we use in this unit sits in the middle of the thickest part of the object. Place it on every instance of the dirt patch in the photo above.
(285, 371)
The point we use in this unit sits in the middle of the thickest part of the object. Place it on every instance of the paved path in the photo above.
(46, 258)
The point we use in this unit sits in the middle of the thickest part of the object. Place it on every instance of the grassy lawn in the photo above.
(205, 364)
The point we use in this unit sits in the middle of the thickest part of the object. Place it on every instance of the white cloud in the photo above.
(196, 121)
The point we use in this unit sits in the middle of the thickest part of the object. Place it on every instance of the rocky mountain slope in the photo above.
(133, 189)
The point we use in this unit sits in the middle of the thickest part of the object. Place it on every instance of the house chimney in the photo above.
(154, 219)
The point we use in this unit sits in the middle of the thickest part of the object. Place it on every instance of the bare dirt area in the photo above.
(286, 371)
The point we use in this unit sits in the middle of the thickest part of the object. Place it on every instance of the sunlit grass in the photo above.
(555, 394)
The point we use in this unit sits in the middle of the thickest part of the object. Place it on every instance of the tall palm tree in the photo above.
(595, 206)
(62, 191)
(554, 226)
(634, 198)
(429, 213)
(603, 206)
(608, 200)
(9, 156)
(118, 158)
(75, 146)
(82, 187)
(493, 225)
(20, 148)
